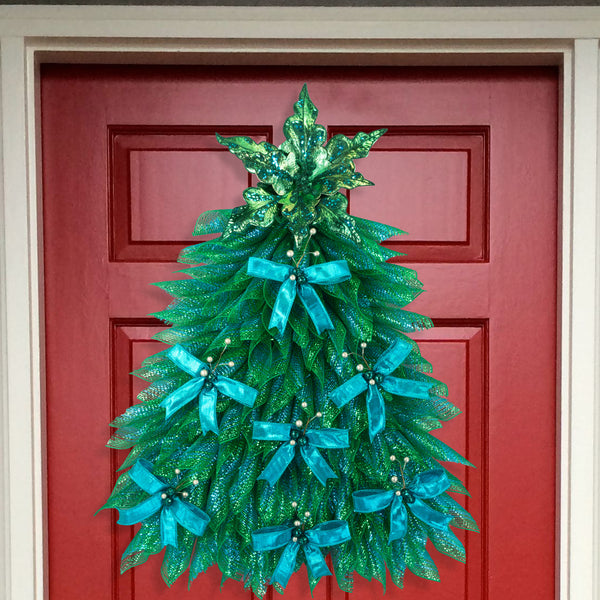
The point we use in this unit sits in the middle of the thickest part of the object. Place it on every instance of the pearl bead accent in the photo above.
(406, 459)
(297, 523)
(195, 482)
(184, 494)
(304, 404)
(394, 478)
(231, 363)
(228, 341)
(294, 539)
(290, 253)
(359, 367)
(392, 457)
(177, 471)
(363, 344)
(292, 442)
(307, 514)
(371, 382)
(293, 277)
(209, 359)
(317, 253)
(398, 493)
(204, 372)
(163, 496)
(299, 423)
(344, 355)
(312, 231)
(294, 504)
(319, 414)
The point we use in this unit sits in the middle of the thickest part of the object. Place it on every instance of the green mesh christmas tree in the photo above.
(290, 417)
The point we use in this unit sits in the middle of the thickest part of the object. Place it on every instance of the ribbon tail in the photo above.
(407, 387)
(312, 457)
(267, 269)
(181, 396)
(398, 519)
(168, 527)
(328, 438)
(285, 566)
(328, 273)
(430, 483)
(208, 411)
(141, 473)
(366, 501)
(278, 464)
(315, 561)
(375, 411)
(329, 533)
(190, 517)
(240, 392)
(348, 390)
(431, 517)
(185, 360)
(137, 514)
(315, 308)
(283, 305)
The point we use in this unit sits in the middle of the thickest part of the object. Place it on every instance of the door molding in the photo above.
(30, 35)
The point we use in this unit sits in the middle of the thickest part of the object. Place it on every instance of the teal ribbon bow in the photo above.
(425, 485)
(298, 281)
(206, 386)
(167, 500)
(370, 381)
(308, 442)
(329, 533)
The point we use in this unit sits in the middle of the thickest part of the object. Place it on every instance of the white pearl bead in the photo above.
(344, 354)
(319, 414)
(184, 494)
(312, 231)
(297, 523)
(299, 423)
(307, 514)
(163, 495)
(209, 359)
(290, 253)
(304, 404)
(392, 457)
(294, 504)
(294, 539)
(204, 372)
(371, 382)
(177, 471)
(195, 482)
(363, 344)
(231, 363)
(406, 459)
(293, 277)
(359, 367)
(317, 253)
(228, 341)
(292, 442)
(394, 478)
(398, 493)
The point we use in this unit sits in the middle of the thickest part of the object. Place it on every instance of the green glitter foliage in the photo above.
(298, 191)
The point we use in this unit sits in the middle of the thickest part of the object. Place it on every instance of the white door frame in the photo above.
(568, 37)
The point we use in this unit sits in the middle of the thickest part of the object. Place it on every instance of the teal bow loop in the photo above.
(425, 485)
(329, 533)
(298, 281)
(308, 441)
(173, 509)
(372, 379)
(205, 387)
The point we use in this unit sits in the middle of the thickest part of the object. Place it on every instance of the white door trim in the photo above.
(30, 34)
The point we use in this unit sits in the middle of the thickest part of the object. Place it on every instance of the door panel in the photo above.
(468, 168)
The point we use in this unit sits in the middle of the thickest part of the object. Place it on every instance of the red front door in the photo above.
(468, 168)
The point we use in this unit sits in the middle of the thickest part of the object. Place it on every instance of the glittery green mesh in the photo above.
(298, 189)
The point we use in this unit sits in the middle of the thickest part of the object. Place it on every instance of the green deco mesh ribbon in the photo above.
(296, 216)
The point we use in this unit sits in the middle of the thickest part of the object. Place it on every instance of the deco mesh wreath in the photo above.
(290, 417)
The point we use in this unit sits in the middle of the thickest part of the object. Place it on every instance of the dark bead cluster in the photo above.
(407, 496)
(209, 381)
(299, 436)
(170, 492)
(300, 276)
